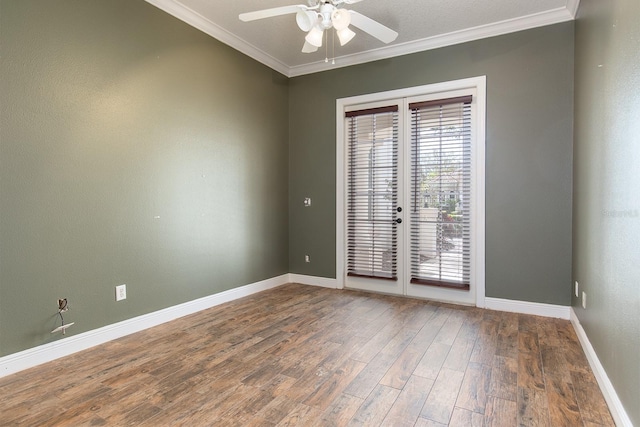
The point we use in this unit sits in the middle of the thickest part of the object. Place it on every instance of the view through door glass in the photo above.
(441, 192)
(372, 195)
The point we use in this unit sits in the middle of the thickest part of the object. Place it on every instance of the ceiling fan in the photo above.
(321, 15)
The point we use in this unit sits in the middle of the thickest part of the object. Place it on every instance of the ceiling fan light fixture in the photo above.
(345, 35)
(308, 47)
(306, 19)
(314, 37)
(340, 18)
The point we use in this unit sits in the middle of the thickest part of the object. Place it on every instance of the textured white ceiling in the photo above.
(421, 24)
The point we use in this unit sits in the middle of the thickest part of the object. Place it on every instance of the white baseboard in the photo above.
(47, 352)
(525, 307)
(615, 405)
(313, 280)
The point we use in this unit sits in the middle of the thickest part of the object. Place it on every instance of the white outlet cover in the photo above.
(121, 292)
(584, 300)
(577, 287)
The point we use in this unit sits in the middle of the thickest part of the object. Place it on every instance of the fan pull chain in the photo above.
(326, 48)
(333, 47)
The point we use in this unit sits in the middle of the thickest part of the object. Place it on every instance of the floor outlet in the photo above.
(121, 292)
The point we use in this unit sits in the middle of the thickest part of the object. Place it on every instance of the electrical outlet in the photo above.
(307, 259)
(584, 300)
(121, 292)
(307, 201)
(577, 291)
(62, 304)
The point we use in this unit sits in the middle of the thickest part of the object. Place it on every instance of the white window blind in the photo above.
(441, 192)
(372, 192)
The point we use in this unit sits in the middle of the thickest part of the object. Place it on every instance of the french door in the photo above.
(374, 197)
(411, 198)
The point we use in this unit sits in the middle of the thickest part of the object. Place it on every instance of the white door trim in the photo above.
(477, 83)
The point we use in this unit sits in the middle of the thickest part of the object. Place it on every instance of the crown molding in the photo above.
(572, 7)
(193, 18)
(541, 19)
(189, 16)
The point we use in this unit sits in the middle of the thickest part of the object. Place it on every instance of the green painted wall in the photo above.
(529, 154)
(606, 239)
(133, 149)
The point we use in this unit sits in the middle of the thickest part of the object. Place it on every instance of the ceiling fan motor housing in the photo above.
(325, 12)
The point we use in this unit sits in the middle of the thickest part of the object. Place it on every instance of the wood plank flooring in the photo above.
(309, 356)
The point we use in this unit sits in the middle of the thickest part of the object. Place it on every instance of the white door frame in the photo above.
(478, 247)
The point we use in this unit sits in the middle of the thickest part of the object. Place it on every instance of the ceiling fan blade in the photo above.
(268, 13)
(376, 29)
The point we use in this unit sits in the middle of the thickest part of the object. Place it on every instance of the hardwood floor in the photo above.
(301, 355)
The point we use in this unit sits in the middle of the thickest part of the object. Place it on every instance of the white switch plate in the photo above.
(584, 300)
(577, 291)
(121, 292)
